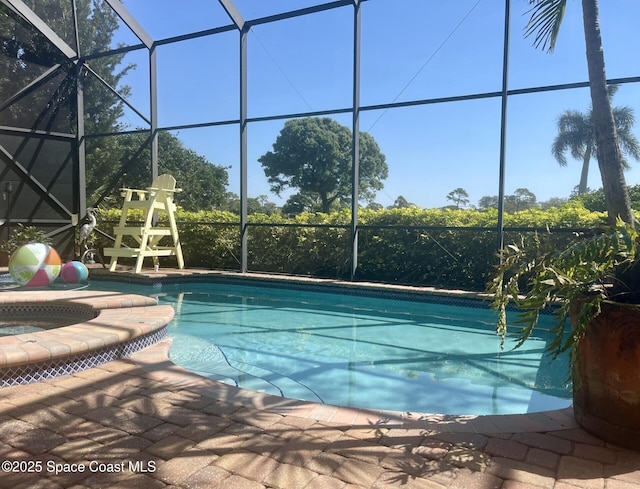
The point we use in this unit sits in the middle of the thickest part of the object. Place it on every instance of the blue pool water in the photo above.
(358, 351)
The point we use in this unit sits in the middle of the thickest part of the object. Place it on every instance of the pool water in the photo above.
(30, 324)
(359, 351)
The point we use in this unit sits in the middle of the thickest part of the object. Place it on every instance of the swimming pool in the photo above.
(358, 351)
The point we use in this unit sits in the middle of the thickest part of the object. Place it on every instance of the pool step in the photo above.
(288, 386)
(210, 361)
(223, 372)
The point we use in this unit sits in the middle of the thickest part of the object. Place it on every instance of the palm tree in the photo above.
(545, 21)
(576, 134)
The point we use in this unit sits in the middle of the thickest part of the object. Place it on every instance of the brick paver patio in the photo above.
(142, 423)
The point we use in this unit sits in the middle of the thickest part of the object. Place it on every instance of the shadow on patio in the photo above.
(142, 432)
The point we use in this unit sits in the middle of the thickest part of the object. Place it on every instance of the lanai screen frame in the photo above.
(243, 26)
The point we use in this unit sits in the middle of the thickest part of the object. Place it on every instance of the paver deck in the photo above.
(144, 422)
(137, 423)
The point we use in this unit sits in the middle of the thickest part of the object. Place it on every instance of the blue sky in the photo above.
(411, 49)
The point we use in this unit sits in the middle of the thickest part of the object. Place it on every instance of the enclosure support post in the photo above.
(503, 124)
(243, 150)
(153, 89)
(355, 146)
(81, 183)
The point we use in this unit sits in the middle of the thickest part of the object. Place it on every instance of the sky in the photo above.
(411, 50)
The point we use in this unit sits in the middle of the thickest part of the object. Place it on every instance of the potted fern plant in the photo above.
(593, 284)
(596, 317)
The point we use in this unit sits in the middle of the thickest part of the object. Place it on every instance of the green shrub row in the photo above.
(442, 248)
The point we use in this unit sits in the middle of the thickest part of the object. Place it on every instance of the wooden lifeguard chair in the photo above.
(155, 199)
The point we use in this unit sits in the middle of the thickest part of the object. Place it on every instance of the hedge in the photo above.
(444, 248)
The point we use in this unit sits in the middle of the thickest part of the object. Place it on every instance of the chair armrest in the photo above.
(127, 193)
(156, 189)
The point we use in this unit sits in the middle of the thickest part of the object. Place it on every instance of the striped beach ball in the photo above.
(73, 272)
(35, 265)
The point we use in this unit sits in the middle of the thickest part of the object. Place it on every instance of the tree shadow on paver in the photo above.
(115, 416)
(116, 413)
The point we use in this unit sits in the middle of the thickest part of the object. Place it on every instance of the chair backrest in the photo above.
(162, 189)
(164, 182)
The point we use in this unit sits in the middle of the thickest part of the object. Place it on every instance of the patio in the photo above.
(144, 422)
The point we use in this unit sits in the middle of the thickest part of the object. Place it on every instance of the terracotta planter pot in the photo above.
(606, 376)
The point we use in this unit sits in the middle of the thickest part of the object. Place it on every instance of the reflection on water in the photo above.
(361, 351)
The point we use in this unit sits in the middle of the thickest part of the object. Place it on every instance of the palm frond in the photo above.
(629, 144)
(624, 118)
(612, 89)
(575, 133)
(545, 21)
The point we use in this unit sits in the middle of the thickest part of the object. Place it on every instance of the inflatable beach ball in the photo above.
(35, 265)
(73, 272)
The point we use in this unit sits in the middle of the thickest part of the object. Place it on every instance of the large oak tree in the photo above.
(125, 160)
(313, 155)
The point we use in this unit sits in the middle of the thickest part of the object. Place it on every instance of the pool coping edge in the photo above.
(122, 324)
(155, 362)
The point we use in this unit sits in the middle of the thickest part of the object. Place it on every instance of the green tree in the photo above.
(552, 202)
(231, 203)
(255, 205)
(488, 202)
(401, 203)
(203, 183)
(97, 23)
(298, 203)
(521, 199)
(26, 54)
(267, 207)
(313, 155)
(594, 200)
(458, 196)
(576, 134)
(544, 25)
